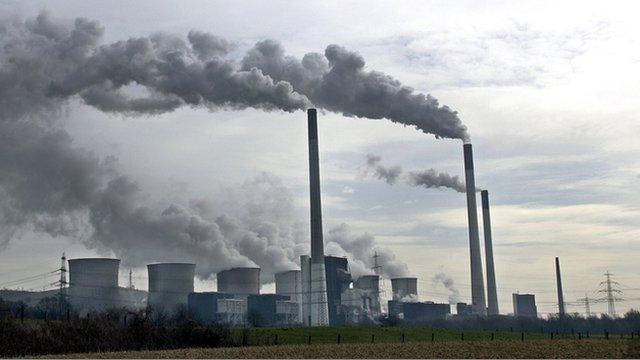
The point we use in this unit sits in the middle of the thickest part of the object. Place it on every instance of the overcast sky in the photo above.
(549, 93)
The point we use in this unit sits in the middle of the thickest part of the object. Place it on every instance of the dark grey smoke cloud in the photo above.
(448, 283)
(47, 184)
(432, 179)
(337, 81)
(427, 178)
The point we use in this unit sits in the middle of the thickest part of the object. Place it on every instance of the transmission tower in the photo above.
(587, 307)
(611, 293)
(131, 280)
(63, 284)
(376, 267)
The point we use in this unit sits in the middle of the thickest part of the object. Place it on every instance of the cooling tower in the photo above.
(368, 282)
(492, 292)
(370, 285)
(319, 309)
(405, 289)
(93, 284)
(561, 311)
(170, 285)
(240, 281)
(478, 301)
(289, 283)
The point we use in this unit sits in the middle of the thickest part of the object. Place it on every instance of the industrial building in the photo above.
(169, 286)
(419, 312)
(289, 283)
(524, 305)
(271, 310)
(338, 280)
(464, 309)
(210, 307)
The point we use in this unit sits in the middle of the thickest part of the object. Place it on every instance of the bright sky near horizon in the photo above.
(548, 91)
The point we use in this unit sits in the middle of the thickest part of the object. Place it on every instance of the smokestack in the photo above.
(478, 301)
(560, 295)
(492, 293)
(319, 307)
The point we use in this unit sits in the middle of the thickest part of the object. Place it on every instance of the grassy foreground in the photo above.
(565, 348)
(365, 334)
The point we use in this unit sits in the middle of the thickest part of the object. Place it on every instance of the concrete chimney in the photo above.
(318, 304)
(492, 292)
(478, 301)
(561, 311)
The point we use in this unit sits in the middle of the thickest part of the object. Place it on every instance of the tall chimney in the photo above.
(560, 295)
(478, 302)
(492, 293)
(319, 308)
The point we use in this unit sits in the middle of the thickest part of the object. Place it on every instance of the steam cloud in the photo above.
(47, 184)
(337, 81)
(448, 283)
(428, 178)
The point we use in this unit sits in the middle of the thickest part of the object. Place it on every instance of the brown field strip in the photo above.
(451, 349)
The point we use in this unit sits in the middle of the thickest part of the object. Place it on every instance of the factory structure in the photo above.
(321, 292)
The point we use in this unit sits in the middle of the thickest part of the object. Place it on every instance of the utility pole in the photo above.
(611, 293)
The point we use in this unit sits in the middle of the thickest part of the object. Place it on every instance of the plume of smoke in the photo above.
(337, 81)
(448, 283)
(427, 178)
(359, 249)
(433, 179)
(47, 184)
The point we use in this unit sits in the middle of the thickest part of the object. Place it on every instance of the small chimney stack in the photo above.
(561, 310)
(492, 292)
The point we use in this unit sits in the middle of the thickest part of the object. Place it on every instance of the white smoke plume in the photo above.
(50, 185)
(337, 81)
(427, 178)
(340, 241)
(448, 283)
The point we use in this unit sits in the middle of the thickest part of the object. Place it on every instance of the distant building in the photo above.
(524, 305)
(289, 283)
(464, 309)
(418, 312)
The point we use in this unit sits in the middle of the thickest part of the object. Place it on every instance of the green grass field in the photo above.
(350, 335)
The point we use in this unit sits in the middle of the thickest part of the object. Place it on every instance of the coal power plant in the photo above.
(321, 292)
